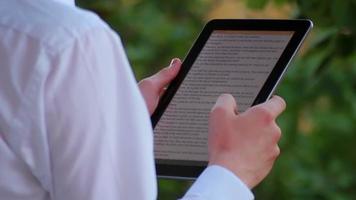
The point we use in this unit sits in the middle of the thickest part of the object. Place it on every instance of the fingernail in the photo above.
(173, 62)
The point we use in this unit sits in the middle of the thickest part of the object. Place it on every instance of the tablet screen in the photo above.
(236, 62)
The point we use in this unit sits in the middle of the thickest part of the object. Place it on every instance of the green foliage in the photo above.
(257, 4)
(152, 31)
(318, 159)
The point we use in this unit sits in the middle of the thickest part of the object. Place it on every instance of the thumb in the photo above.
(225, 103)
(166, 75)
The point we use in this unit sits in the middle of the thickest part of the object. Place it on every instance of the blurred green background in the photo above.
(318, 159)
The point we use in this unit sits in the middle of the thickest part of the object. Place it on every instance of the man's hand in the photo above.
(153, 87)
(246, 143)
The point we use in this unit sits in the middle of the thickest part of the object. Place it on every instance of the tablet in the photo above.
(245, 58)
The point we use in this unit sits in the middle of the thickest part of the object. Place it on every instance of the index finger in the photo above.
(227, 103)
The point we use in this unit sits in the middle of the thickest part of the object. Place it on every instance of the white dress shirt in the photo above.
(73, 124)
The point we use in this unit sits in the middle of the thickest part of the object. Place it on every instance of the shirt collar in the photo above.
(67, 2)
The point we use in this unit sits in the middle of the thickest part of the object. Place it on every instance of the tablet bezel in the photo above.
(300, 28)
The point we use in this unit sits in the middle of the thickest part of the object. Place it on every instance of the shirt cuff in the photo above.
(218, 183)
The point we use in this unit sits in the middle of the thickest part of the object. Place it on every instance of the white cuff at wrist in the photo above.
(218, 183)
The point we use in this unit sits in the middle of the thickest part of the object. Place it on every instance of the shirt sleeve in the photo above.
(98, 128)
(218, 183)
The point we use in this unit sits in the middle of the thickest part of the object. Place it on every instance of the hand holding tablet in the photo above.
(245, 143)
(245, 58)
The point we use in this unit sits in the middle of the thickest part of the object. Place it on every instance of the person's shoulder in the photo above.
(51, 23)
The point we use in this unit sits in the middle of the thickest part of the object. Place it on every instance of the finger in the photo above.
(275, 106)
(227, 103)
(162, 91)
(166, 75)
